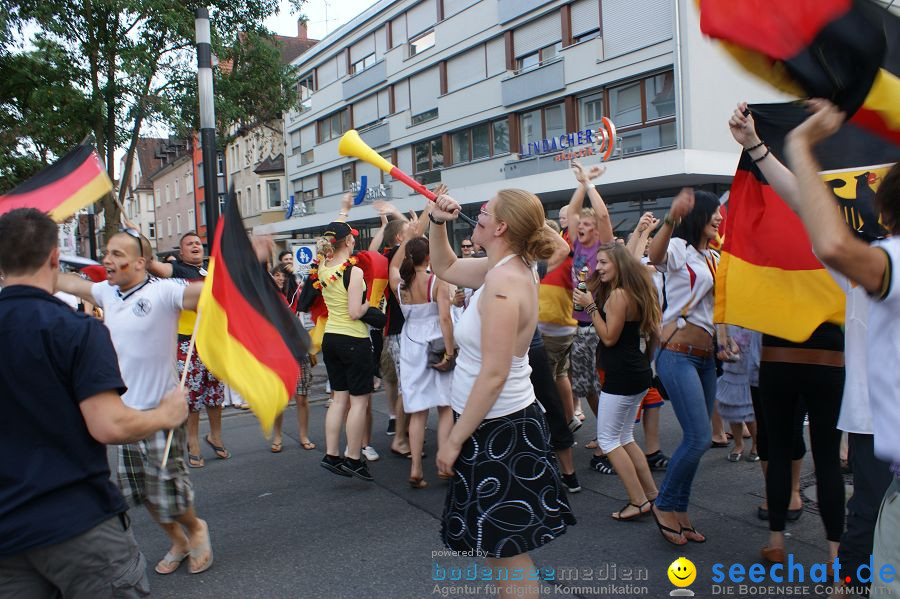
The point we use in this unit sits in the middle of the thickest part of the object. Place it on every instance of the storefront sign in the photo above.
(600, 141)
(373, 192)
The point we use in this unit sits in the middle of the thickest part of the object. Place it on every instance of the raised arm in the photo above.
(681, 207)
(444, 263)
(394, 267)
(638, 239)
(375, 244)
(832, 240)
(75, 285)
(782, 180)
(346, 205)
(561, 252)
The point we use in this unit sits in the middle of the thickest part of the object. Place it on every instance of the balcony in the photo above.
(365, 80)
(548, 78)
(377, 136)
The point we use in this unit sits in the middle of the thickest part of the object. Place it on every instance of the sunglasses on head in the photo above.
(137, 236)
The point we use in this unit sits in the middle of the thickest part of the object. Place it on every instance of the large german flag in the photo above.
(847, 51)
(76, 180)
(247, 335)
(768, 278)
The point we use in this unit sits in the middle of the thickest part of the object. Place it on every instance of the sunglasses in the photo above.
(137, 236)
(467, 245)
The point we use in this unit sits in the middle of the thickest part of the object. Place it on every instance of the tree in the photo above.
(138, 61)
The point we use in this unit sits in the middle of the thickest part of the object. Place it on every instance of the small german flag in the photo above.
(246, 334)
(846, 51)
(76, 180)
(768, 279)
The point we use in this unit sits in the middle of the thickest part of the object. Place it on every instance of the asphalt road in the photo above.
(283, 527)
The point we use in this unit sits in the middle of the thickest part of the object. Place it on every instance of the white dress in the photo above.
(423, 387)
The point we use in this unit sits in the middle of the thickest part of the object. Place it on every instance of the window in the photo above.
(590, 111)
(220, 164)
(178, 224)
(191, 222)
(168, 226)
(305, 89)
(362, 64)
(151, 230)
(481, 141)
(334, 126)
(189, 183)
(202, 208)
(421, 43)
(168, 194)
(647, 119)
(158, 195)
(348, 176)
(240, 201)
(295, 141)
(176, 189)
(200, 175)
(306, 157)
(274, 191)
(424, 116)
(429, 159)
(390, 156)
(536, 59)
(542, 123)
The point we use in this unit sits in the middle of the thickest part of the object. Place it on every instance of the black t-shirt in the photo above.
(827, 336)
(54, 477)
(183, 270)
(394, 314)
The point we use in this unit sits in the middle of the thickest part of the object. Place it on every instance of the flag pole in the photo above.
(184, 373)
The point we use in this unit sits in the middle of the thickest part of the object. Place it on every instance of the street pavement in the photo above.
(283, 527)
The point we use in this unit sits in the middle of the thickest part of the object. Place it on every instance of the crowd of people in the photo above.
(507, 341)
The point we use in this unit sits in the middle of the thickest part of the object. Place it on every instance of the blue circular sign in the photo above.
(304, 255)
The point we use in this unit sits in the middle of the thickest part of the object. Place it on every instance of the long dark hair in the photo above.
(416, 254)
(691, 227)
(634, 278)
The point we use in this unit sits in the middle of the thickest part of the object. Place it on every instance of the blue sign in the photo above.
(361, 194)
(304, 255)
(290, 207)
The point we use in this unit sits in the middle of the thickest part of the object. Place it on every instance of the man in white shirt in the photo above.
(871, 267)
(142, 314)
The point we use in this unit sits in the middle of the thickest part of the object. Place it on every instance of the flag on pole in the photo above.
(247, 335)
(768, 279)
(846, 51)
(76, 180)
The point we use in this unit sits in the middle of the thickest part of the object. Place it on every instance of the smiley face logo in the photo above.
(682, 572)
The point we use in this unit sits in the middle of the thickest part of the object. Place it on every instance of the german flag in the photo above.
(246, 334)
(768, 278)
(555, 296)
(847, 51)
(76, 180)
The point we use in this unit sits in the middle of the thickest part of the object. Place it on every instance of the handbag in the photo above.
(436, 351)
(374, 317)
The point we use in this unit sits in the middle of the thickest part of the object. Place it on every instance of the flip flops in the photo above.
(220, 450)
(307, 445)
(170, 563)
(276, 448)
(196, 552)
(195, 461)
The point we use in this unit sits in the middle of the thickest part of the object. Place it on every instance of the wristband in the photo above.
(590, 185)
(670, 221)
(759, 145)
(761, 158)
(437, 222)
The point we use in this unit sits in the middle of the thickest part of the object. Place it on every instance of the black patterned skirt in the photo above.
(506, 497)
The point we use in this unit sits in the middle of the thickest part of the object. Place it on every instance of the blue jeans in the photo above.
(691, 385)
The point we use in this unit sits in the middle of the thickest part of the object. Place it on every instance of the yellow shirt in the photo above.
(335, 296)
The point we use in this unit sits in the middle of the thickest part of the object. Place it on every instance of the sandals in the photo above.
(276, 448)
(641, 512)
(307, 445)
(195, 461)
(657, 460)
(401, 454)
(170, 563)
(602, 465)
(665, 531)
(196, 552)
(580, 415)
(220, 450)
(718, 444)
(417, 482)
(735, 456)
(692, 535)
(592, 444)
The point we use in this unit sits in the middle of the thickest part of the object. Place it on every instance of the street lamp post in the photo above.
(207, 121)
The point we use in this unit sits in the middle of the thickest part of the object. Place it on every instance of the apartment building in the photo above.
(138, 201)
(487, 94)
(173, 194)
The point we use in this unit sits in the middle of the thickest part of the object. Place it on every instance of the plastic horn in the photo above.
(352, 145)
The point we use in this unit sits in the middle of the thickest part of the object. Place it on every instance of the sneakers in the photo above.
(392, 427)
(574, 424)
(370, 454)
(571, 483)
(602, 465)
(356, 468)
(657, 460)
(333, 463)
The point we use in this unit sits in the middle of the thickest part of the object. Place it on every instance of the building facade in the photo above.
(138, 201)
(487, 94)
(255, 163)
(173, 194)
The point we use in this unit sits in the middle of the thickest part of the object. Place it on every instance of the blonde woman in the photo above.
(505, 497)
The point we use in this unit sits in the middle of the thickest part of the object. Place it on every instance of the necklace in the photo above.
(314, 272)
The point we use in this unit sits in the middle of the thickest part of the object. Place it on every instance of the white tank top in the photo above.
(517, 393)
